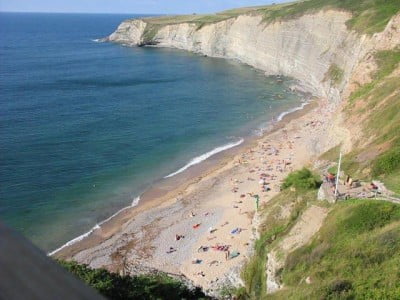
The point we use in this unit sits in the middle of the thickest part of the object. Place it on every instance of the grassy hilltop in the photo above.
(369, 16)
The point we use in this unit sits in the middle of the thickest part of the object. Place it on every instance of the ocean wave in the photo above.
(199, 159)
(269, 125)
(285, 113)
(97, 226)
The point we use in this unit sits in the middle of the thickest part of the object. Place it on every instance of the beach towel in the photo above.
(236, 231)
(234, 254)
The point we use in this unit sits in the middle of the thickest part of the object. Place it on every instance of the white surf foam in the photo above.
(270, 125)
(97, 226)
(204, 156)
(285, 113)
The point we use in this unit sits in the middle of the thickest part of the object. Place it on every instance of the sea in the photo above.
(86, 127)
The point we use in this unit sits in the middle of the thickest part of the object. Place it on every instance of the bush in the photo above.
(387, 163)
(114, 286)
(339, 289)
(230, 292)
(335, 74)
(303, 179)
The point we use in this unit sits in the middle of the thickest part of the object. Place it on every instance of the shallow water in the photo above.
(86, 127)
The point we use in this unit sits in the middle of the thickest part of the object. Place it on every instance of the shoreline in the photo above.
(212, 209)
(184, 177)
(173, 184)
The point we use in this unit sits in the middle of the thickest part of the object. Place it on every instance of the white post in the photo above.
(338, 174)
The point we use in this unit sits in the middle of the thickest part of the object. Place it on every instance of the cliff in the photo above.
(304, 48)
(316, 48)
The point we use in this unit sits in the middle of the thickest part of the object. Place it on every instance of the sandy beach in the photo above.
(205, 228)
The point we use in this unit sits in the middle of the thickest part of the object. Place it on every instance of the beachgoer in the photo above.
(178, 237)
(227, 254)
(213, 263)
(197, 261)
(171, 249)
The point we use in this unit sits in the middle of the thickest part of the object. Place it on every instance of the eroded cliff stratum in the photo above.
(316, 48)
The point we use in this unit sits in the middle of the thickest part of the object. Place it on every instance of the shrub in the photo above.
(303, 179)
(339, 289)
(230, 292)
(387, 163)
(335, 74)
(114, 286)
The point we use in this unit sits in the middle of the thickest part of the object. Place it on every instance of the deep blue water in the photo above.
(86, 127)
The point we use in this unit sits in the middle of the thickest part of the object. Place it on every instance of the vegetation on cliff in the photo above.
(278, 215)
(335, 74)
(114, 286)
(368, 16)
(301, 180)
(376, 153)
(355, 255)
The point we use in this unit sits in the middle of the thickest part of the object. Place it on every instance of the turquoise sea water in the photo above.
(86, 127)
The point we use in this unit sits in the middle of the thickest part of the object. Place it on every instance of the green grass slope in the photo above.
(356, 255)
(368, 16)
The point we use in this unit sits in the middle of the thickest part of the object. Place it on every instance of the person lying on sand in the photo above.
(201, 274)
(195, 226)
(221, 247)
(171, 249)
(178, 237)
(236, 231)
(214, 262)
(226, 223)
(212, 230)
(203, 249)
(197, 261)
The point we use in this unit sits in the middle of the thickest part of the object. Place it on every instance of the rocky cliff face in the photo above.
(305, 48)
